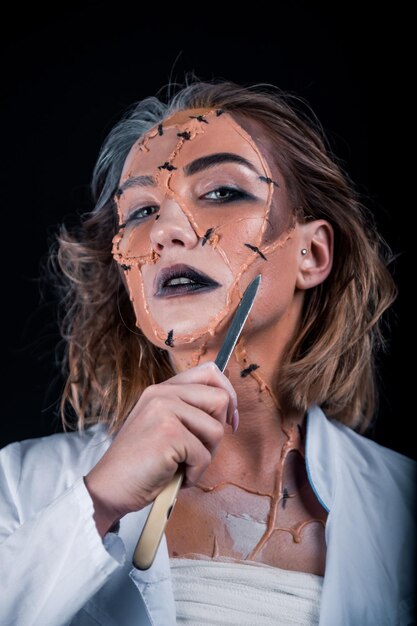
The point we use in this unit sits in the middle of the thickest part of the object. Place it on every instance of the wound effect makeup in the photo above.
(201, 173)
(224, 195)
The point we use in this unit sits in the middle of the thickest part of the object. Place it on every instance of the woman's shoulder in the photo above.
(34, 472)
(369, 491)
(340, 456)
(373, 452)
(348, 441)
(59, 451)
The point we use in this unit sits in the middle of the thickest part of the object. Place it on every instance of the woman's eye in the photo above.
(225, 194)
(140, 214)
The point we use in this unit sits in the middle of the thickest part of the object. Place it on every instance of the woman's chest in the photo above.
(282, 527)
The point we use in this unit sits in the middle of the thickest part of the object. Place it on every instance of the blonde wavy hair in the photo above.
(108, 362)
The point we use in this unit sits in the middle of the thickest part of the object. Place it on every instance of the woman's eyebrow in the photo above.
(194, 167)
(137, 181)
(214, 159)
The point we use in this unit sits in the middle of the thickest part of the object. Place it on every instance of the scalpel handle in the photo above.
(154, 528)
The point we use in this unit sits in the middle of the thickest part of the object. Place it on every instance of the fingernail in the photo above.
(235, 420)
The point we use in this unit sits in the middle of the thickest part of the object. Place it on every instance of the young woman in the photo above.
(288, 514)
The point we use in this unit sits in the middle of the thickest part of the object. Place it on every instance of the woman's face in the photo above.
(198, 192)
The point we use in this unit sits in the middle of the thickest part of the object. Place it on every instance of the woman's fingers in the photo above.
(210, 375)
(214, 401)
(179, 421)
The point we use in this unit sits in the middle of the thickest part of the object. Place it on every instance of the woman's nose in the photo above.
(172, 228)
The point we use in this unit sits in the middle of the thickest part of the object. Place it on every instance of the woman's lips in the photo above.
(180, 280)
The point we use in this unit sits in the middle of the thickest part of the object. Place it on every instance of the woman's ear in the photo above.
(316, 254)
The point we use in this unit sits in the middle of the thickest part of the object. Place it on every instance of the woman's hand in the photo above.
(181, 420)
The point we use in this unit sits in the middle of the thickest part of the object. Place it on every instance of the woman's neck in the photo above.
(253, 370)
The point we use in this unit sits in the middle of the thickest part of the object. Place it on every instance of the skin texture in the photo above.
(253, 501)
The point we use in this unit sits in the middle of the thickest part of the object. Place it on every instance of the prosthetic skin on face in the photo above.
(263, 510)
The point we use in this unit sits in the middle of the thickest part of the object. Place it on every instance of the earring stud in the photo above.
(304, 251)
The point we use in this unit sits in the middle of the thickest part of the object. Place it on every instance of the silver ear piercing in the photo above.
(304, 251)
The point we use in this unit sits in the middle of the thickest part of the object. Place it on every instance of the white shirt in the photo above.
(55, 569)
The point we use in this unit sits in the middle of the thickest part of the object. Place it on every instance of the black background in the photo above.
(69, 72)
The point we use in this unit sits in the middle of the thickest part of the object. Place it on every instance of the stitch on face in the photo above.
(256, 249)
(199, 118)
(185, 135)
(169, 341)
(206, 236)
(167, 166)
(252, 367)
(266, 179)
(160, 130)
(126, 268)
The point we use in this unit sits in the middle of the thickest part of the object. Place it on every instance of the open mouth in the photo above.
(181, 280)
